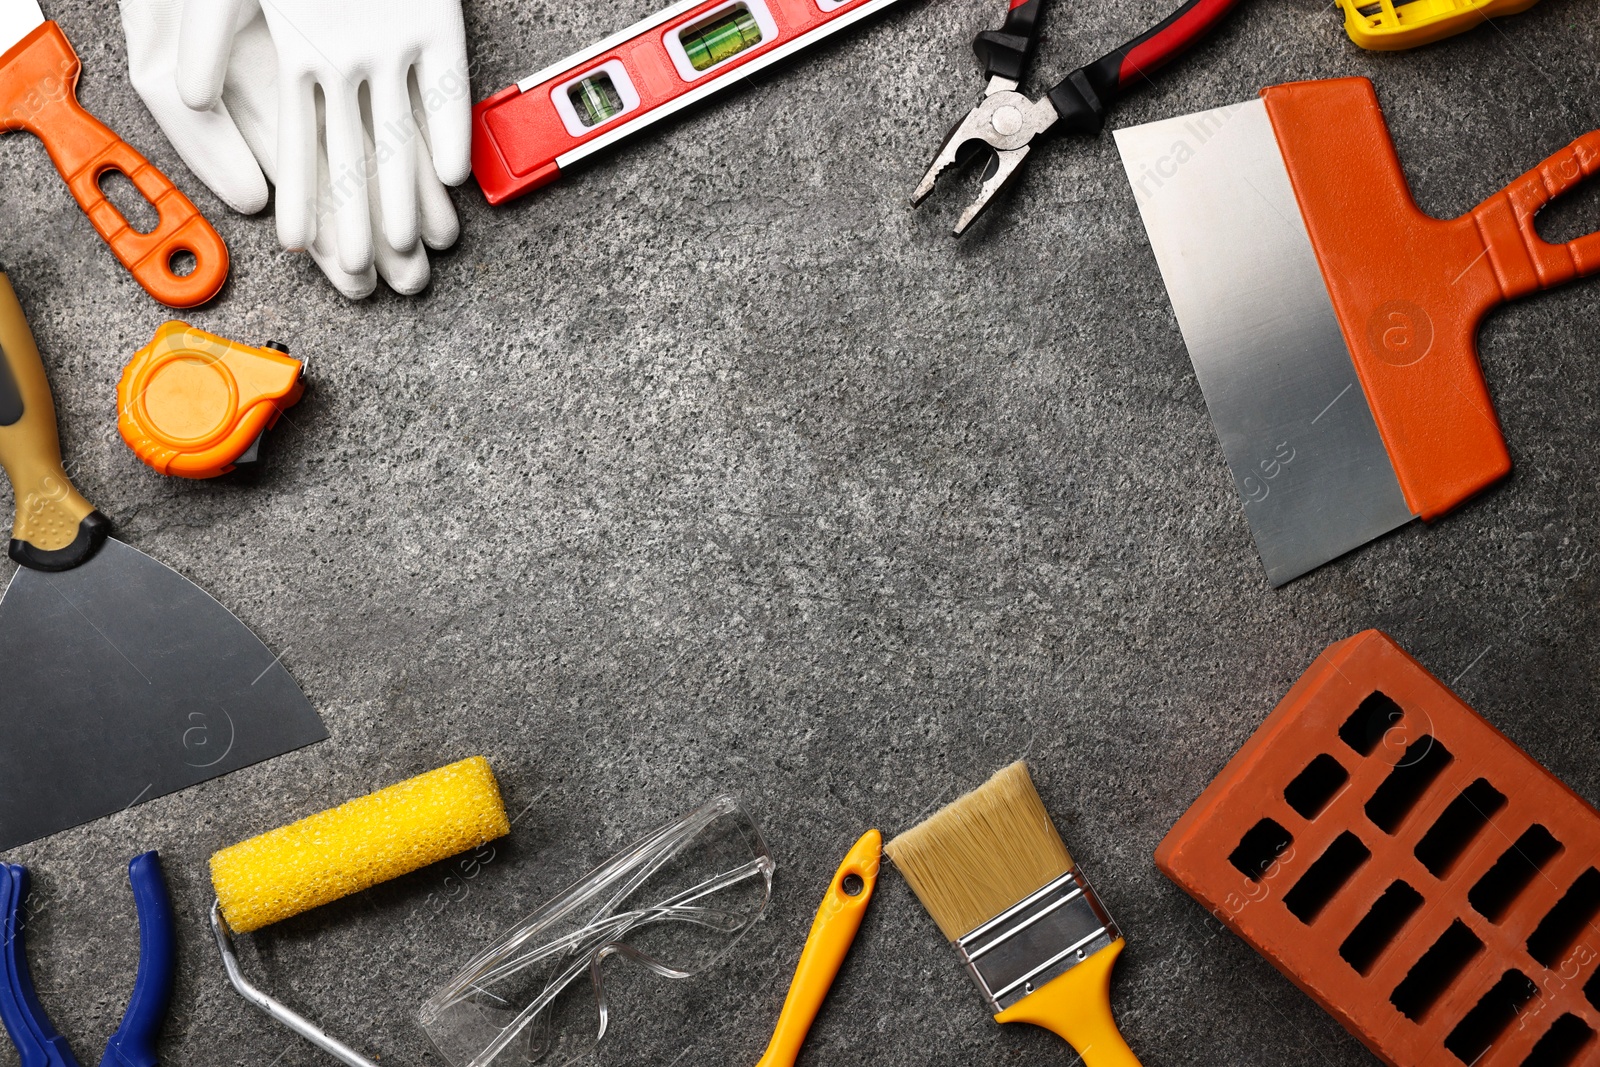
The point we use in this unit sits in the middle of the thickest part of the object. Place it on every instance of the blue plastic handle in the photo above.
(38, 1044)
(134, 1043)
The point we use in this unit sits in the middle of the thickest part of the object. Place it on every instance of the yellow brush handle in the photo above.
(1077, 1006)
(55, 528)
(832, 932)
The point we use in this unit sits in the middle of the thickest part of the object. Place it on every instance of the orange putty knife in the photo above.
(39, 93)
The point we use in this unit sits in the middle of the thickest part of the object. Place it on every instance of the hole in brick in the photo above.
(1433, 973)
(1260, 847)
(1313, 787)
(1467, 814)
(1388, 915)
(1424, 759)
(1511, 873)
(1571, 915)
(1560, 1045)
(1324, 878)
(1488, 1020)
(1591, 989)
(1363, 730)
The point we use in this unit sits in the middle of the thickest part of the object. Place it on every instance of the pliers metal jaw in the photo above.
(1005, 122)
(134, 1043)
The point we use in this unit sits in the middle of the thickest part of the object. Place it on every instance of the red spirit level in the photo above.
(524, 135)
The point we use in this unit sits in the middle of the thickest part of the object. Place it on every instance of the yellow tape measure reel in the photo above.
(1386, 26)
(195, 405)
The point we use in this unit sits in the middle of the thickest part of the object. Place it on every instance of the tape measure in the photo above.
(196, 405)
(1387, 26)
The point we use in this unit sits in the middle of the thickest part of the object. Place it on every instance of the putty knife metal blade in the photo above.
(120, 680)
(124, 681)
(1254, 310)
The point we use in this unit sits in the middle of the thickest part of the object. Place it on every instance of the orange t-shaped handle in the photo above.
(38, 93)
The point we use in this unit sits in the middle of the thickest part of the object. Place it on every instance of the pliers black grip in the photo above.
(1006, 122)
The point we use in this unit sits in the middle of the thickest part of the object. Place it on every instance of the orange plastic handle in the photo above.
(1410, 290)
(38, 93)
(1523, 261)
(832, 933)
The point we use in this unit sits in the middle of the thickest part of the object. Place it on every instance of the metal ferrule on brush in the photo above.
(1038, 939)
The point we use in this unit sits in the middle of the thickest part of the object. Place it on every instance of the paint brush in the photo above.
(997, 879)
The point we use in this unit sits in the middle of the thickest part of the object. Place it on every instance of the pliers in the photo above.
(1006, 122)
(134, 1043)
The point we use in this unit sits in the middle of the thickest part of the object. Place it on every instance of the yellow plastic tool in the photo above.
(832, 933)
(193, 404)
(1385, 26)
(55, 527)
(1076, 1006)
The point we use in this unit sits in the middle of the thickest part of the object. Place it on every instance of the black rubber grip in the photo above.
(1083, 97)
(92, 532)
(1004, 52)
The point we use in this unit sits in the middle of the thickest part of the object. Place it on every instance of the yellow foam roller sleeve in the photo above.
(358, 844)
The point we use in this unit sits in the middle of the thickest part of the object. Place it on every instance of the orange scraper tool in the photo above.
(832, 933)
(1406, 865)
(39, 93)
(1332, 325)
(195, 405)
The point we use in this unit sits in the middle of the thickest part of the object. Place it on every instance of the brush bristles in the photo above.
(983, 853)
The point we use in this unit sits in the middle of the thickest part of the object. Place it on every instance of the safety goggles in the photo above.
(674, 903)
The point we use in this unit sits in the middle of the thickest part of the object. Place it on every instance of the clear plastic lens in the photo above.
(671, 906)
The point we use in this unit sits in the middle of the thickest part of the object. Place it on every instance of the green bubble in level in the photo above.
(595, 99)
(710, 44)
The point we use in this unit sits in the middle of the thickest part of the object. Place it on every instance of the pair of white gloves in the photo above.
(359, 111)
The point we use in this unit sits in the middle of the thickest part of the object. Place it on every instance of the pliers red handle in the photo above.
(1006, 122)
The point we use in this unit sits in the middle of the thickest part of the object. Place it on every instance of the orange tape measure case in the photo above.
(195, 405)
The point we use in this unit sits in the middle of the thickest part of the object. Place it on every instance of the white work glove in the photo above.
(209, 141)
(337, 46)
(230, 145)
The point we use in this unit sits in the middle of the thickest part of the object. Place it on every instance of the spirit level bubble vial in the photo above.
(527, 133)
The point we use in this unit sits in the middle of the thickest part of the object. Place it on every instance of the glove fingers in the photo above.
(298, 120)
(440, 227)
(208, 141)
(250, 92)
(347, 172)
(442, 79)
(394, 148)
(355, 286)
(406, 271)
(204, 43)
(213, 148)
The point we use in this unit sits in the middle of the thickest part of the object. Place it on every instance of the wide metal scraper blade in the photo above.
(1261, 330)
(121, 680)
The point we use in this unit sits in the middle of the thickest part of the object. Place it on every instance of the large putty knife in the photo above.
(120, 680)
(1333, 325)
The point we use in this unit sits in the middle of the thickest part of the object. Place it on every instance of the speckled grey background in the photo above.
(715, 466)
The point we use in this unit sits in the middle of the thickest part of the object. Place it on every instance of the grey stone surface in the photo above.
(714, 466)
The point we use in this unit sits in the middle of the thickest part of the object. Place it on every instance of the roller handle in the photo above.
(55, 528)
(38, 93)
(832, 932)
(38, 1044)
(1082, 98)
(1523, 261)
(1076, 1007)
(134, 1043)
